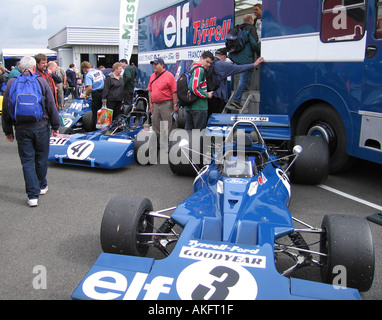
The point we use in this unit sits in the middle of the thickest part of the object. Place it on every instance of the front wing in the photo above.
(201, 270)
(79, 150)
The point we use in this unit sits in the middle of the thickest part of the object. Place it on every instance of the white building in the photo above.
(98, 45)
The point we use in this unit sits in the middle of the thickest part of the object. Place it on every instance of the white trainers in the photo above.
(33, 202)
(44, 191)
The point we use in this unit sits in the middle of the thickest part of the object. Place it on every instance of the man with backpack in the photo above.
(197, 112)
(222, 70)
(29, 106)
(247, 35)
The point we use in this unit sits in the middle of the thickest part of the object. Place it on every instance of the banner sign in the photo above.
(127, 27)
(183, 32)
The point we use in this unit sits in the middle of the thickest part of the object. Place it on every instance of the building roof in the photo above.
(72, 35)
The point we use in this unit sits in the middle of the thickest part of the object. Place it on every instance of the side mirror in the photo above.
(183, 143)
(297, 149)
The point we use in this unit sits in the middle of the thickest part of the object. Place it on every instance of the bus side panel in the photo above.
(312, 58)
(302, 85)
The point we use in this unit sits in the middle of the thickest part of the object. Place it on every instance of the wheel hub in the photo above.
(325, 131)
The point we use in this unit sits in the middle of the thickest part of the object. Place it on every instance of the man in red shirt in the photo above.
(163, 98)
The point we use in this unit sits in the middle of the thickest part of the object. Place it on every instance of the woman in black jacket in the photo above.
(112, 94)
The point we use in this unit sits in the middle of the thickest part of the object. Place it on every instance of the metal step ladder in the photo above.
(251, 103)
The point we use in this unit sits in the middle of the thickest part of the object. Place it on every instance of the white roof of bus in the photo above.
(27, 52)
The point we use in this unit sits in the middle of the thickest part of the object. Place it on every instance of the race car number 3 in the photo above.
(80, 150)
(216, 281)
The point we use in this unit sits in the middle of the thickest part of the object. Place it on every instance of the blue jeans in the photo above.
(245, 80)
(33, 146)
(196, 119)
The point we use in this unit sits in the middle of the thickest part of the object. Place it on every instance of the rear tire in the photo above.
(181, 118)
(178, 161)
(322, 120)
(312, 165)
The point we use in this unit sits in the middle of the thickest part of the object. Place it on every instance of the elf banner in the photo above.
(128, 23)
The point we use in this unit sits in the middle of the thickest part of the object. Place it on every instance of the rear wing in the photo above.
(271, 127)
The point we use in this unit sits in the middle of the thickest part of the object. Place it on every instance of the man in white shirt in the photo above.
(258, 11)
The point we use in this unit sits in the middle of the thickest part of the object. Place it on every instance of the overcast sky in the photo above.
(30, 23)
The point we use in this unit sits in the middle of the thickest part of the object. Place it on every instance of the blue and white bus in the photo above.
(181, 32)
(323, 63)
(324, 69)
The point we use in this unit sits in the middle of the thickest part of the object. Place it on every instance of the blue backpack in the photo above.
(27, 99)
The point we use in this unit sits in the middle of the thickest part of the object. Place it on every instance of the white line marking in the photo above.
(343, 194)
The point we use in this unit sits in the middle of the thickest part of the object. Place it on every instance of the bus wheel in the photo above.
(322, 120)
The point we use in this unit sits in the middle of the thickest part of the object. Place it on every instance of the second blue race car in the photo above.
(77, 117)
(111, 148)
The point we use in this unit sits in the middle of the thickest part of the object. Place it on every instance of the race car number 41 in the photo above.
(80, 150)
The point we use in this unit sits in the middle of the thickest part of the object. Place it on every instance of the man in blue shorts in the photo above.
(94, 83)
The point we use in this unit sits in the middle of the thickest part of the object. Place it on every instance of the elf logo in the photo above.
(203, 280)
(175, 28)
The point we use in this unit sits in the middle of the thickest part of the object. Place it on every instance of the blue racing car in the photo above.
(77, 117)
(229, 239)
(113, 147)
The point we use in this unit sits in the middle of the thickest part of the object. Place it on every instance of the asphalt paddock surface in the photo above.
(60, 238)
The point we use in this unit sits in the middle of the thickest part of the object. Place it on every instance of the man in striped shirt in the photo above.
(197, 113)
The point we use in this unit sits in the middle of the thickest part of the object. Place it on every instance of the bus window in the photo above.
(343, 20)
(378, 28)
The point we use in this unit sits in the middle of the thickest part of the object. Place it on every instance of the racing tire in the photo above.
(179, 157)
(348, 242)
(181, 118)
(325, 121)
(124, 218)
(312, 165)
(66, 130)
(87, 121)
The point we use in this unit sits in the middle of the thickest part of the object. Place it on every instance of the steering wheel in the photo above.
(122, 121)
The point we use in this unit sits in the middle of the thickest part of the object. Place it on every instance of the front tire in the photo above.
(65, 130)
(124, 218)
(87, 121)
(348, 242)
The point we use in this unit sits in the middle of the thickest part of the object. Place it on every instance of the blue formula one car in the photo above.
(111, 148)
(229, 239)
(77, 117)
